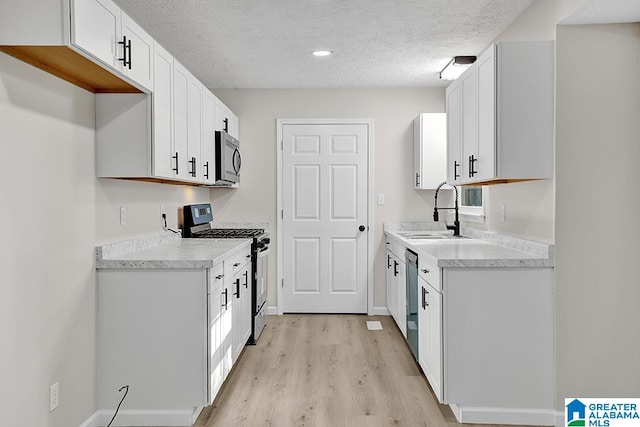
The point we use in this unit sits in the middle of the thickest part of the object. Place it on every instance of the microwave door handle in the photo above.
(237, 169)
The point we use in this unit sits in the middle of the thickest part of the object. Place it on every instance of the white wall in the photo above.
(54, 212)
(393, 111)
(595, 197)
(597, 238)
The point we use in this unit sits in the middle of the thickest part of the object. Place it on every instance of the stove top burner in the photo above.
(229, 233)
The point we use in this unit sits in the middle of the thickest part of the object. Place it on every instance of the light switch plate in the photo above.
(381, 199)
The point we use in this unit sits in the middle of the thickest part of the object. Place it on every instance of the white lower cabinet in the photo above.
(396, 285)
(169, 335)
(495, 362)
(240, 288)
(430, 335)
(219, 328)
(392, 294)
(485, 341)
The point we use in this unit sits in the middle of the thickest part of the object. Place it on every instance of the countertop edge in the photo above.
(532, 261)
(189, 261)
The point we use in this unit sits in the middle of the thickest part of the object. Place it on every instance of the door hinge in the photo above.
(282, 214)
(282, 144)
(283, 283)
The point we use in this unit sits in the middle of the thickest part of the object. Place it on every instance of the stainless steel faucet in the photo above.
(456, 224)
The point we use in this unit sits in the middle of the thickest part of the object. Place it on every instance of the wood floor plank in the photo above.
(327, 370)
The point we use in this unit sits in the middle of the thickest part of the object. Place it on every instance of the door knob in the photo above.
(362, 228)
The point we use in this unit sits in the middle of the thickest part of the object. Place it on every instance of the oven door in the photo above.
(228, 159)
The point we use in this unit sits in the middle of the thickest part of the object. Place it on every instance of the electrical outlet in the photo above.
(54, 396)
(381, 199)
(123, 215)
(503, 213)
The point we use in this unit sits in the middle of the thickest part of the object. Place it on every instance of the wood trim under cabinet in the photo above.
(69, 65)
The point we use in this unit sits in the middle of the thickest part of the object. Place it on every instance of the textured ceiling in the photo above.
(605, 12)
(268, 43)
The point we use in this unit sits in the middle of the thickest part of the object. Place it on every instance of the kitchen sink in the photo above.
(428, 235)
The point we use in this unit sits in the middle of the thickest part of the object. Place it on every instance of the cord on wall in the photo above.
(164, 227)
(126, 390)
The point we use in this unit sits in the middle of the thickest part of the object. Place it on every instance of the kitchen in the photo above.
(48, 307)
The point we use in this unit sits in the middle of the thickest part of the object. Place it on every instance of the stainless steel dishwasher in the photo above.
(412, 301)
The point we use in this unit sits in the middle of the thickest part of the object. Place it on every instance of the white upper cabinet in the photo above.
(194, 133)
(164, 154)
(454, 133)
(96, 28)
(180, 118)
(429, 150)
(500, 116)
(139, 47)
(207, 148)
(101, 29)
(226, 120)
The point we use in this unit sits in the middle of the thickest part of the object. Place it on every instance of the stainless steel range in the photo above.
(197, 224)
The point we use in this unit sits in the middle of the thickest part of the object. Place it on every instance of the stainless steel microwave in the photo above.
(228, 159)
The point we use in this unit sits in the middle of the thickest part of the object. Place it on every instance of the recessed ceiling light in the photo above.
(322, 52)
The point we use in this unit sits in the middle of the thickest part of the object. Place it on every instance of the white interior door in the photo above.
(324, 200)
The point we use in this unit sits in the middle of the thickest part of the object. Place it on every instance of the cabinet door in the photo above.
(180, 122)
(96, 29)
(226, 330)
(454, 133)
(194, 132)
(139, 47)
(429, 150)
(216, 299)
(434, 332)
(234, 129)
(226, 120)
(162, 148)
(236, 296)
(392, 293)
(485, 167)
(424, 345)
(469, 125)
(208, 136)
(430, 336)
(247, 313)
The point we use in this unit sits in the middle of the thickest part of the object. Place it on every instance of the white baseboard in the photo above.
(380, 311)
(91, 421)
(560, 419)
(515, 416)
(377, 311)
(132, 418)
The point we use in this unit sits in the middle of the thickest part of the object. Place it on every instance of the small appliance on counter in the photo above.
(197, 224)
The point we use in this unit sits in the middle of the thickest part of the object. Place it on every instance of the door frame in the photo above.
(370, 219)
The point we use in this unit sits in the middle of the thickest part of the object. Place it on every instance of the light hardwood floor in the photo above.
(326, 370)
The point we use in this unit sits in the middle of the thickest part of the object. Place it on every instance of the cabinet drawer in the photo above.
(430, 273)
(236, 262)
(396, 248)
(216, 277)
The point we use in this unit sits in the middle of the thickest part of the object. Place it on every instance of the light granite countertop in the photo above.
(166, 250)
(478, 249)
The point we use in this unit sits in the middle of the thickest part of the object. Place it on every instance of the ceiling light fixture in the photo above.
(322, 52)
(456, 67)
